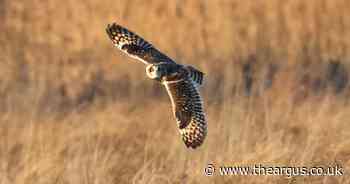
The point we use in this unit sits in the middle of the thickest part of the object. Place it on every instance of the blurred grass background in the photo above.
(73, 109)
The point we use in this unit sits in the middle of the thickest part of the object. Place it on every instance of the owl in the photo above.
(182, 82)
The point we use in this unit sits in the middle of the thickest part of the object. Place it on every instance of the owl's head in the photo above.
(163, 71)
(155, 71)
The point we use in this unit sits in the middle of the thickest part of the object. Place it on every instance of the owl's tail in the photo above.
(196, 75)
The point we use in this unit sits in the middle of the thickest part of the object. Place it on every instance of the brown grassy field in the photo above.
(74, 110)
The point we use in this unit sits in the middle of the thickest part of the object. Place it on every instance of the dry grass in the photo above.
(72, 110)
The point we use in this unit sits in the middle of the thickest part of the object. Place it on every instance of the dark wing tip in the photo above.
(112, 28)
(109, 31)
(194, 143)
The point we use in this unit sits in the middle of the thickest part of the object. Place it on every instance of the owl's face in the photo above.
(163, 72)
(155, 72)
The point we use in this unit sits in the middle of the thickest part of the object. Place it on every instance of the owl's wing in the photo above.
(188, 111)
(135, 46)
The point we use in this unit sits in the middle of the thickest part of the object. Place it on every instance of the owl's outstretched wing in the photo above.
(135, 46)
(188, 110)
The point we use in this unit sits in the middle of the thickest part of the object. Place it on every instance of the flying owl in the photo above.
(181, 82)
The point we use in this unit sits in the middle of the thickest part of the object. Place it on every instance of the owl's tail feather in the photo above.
(196, 75)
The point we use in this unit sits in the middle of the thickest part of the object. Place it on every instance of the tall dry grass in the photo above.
(75, 110)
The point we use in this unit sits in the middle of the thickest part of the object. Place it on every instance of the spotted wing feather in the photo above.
(188, 111)
(134, 45)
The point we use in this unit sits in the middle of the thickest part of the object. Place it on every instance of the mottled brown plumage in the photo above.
(188, 110)
(135, 46)
(182, 82)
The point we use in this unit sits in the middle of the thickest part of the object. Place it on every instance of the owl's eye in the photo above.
(151, 69)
